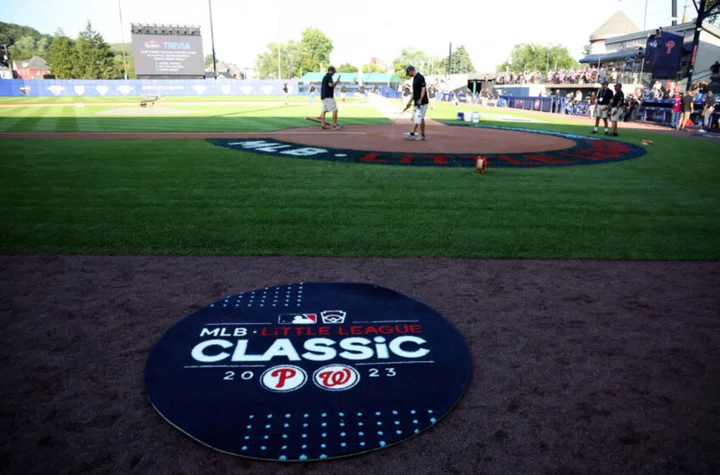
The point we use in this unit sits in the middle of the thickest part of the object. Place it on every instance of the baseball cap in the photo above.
(409, 68)
(618, 84)
(331, 68)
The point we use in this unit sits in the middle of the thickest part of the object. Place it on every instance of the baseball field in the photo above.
(589, 295)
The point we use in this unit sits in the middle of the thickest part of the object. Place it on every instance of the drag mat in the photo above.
(579, 367)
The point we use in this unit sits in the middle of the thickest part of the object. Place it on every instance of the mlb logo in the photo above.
(297, 319)
(333, 316)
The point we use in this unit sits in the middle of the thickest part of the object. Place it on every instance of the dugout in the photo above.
(478, 82)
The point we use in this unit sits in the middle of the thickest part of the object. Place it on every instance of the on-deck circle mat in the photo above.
(308, 371)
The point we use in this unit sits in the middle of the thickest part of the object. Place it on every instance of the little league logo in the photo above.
(308, 371)
(333, 316)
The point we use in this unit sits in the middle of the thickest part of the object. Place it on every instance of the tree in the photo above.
(531, 56)
(314, 50)
(461, 62)
(11, 34)
(373, 68)
(61, 57)
(411, 56)
(267, 62)
(347, 68)
(94, 60)
(586, 50)
(119, 67)
(24, 48)
(208, 60)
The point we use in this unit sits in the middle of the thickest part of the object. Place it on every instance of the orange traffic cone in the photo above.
(481, 164)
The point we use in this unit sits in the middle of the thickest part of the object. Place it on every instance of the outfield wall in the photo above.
(139, 87)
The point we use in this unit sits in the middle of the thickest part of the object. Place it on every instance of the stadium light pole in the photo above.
(122, 38)
(278, 39)
(212, 41)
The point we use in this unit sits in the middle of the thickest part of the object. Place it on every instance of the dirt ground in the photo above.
(580, 367)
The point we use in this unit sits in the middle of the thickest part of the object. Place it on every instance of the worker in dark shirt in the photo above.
(688, 107)
(617, 107)
(327, 94)
(420, 100)
(708, 111)
(602, 104)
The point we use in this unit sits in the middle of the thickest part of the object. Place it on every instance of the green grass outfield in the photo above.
(190, 197)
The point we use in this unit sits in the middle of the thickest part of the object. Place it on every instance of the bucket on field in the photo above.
(461, 116)
(476, 117)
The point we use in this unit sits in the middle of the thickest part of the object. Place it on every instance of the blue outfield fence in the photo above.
(139, 87)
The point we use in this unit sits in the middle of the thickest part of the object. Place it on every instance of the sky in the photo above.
(358, 30)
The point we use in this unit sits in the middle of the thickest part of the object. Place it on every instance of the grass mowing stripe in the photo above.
(12, 116)
(29, 121)
(189, 197)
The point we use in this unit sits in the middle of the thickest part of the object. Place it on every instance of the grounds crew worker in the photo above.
(420, 97)
(327, 94)
(602, 103)
(617, 108)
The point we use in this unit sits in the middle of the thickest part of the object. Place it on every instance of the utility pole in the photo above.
(6, 55)
(645, 17)
(212, 40)
(674, 12)
(449, 72)
(122, 37)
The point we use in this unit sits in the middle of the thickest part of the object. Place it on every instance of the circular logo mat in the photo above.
(308, 371)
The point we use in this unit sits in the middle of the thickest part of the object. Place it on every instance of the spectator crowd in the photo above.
(586, 75)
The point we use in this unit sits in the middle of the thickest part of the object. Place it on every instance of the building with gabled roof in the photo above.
(33, 68)
(617, 25)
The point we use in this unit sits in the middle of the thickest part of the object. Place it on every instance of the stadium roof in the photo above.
(367, 78)
(616, 25)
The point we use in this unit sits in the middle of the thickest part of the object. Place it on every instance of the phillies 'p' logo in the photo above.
(336, 377)
(284, 378)
(669, 45)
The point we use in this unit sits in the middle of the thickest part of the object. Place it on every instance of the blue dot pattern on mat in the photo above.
(296, 445)
(281, 296)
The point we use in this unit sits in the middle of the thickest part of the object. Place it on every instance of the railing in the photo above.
(624, 77)
(658, 112)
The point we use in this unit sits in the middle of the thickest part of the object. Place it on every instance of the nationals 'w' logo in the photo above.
(336, 377)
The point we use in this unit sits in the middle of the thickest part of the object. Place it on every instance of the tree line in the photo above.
(312, 54)
(533, 57)
(88, 56)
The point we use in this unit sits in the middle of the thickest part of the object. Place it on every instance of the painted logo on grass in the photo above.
(308, 371)
(587, 151)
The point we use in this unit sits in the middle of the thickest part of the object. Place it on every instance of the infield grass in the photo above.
(190, 197)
